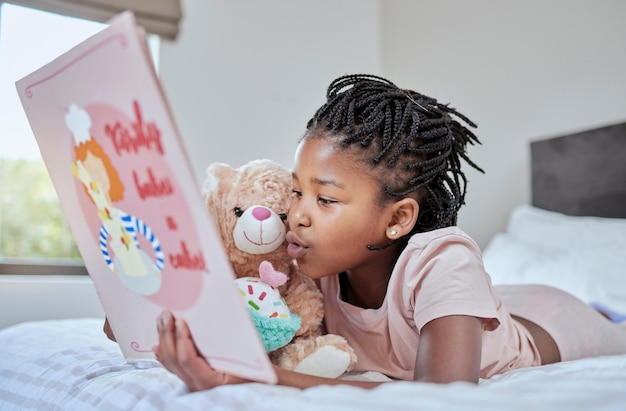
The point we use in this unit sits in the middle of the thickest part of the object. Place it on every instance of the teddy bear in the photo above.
(249, 206)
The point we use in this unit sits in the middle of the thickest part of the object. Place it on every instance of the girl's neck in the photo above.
(369, 293)
(368, 296)
(368, 288)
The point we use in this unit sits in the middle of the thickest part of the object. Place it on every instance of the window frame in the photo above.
(15, 266)
(160, 17)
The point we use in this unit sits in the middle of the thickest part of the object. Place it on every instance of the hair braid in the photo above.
(419, 139)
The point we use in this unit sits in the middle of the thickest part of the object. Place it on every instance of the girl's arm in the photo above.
(178, 354)
(449, 350)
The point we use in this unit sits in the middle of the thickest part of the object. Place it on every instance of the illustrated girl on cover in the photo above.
(118, 232)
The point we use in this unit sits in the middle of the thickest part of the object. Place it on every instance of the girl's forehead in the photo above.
(314, 148)
(320, 153)
(321, 159)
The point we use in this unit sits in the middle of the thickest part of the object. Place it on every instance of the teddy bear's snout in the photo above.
(259, 230)
(261, 213)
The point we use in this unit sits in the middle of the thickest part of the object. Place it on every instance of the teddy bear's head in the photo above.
(249, 205)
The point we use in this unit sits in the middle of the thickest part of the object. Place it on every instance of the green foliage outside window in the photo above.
(32, 224)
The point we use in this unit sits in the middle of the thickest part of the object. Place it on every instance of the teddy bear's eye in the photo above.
(283, 216)
(238, 211)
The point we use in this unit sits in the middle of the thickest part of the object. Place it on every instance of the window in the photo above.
(34, 234)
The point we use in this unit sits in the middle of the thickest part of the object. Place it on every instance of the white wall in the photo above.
(30, 298)
(523, 70)
(244, 77)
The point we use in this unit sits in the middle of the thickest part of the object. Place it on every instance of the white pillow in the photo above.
(548, 228)
(585, 256)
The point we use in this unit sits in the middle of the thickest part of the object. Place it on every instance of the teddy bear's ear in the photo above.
(218, 174)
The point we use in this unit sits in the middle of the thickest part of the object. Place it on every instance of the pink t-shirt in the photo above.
(440, 273)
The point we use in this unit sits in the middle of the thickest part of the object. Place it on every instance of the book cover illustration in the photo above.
(116, 160)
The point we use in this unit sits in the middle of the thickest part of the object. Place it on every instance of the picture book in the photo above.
(118, 164)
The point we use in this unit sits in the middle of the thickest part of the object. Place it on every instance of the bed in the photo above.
(572, 235)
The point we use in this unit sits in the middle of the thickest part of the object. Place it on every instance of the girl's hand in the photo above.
(178, 354)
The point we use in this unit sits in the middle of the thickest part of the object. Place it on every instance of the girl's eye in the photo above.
(296, 193)
(326, 201)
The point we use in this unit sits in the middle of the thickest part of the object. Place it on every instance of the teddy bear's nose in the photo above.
(261, 213)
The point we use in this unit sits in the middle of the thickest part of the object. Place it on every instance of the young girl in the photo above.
(377, 188)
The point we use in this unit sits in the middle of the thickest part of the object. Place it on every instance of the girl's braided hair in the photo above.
(418, 139)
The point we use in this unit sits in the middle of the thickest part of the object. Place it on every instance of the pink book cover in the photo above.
(117, 162)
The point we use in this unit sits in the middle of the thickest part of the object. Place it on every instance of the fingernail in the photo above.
(180, 326)
(163, 319)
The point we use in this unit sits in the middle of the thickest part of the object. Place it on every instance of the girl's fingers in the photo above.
(198, 373)
(166, 351)
(179, 354)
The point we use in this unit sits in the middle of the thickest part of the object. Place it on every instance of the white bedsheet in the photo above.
(70, 365)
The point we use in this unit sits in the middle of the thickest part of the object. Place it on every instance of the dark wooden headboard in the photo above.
(581, 174)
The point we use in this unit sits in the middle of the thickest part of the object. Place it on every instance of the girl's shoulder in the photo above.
(436, 265)
(442, 236)
(445, 249)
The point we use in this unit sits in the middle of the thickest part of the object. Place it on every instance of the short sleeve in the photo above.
(451, 281)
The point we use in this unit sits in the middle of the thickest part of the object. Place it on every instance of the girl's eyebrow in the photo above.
(322, 182)
(327, 182)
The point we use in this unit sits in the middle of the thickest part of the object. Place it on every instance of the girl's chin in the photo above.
(311, 272)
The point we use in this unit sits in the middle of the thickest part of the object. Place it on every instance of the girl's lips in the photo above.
(295, 246)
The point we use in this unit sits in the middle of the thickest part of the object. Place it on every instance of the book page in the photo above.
(118, 164)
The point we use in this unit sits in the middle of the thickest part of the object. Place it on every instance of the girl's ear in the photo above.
(403, 219)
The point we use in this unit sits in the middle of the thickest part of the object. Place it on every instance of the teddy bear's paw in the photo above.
(339, 343)
(327, 361)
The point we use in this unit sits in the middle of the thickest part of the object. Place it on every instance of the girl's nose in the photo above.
(297, 216)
